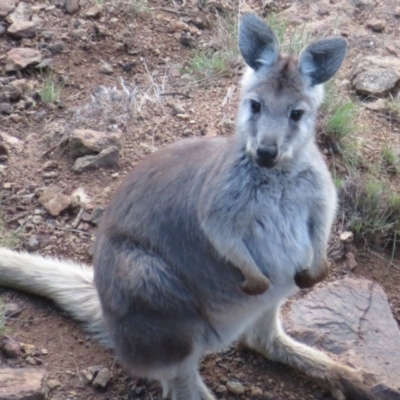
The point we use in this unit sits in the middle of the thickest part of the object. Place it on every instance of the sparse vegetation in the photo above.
(50, 91)
(138, 6)
(390, 160)
(372, 211)
(2, 317)
(7, 238)
(208, 63)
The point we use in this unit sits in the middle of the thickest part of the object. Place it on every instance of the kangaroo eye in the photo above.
(295, 115)
(255, 106)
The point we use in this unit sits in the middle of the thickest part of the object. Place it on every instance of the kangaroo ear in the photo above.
(257, 43)
(321, 60)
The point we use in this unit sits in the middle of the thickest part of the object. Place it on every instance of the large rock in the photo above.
(350, 318)
(377, 76)
(84, 142)
(20, 57)
(7, 6)
(23, 12)
(22, 384)
(376, 81)
(71, 6)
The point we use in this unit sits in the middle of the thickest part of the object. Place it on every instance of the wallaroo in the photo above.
(205, 239)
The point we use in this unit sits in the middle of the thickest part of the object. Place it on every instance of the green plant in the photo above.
(208, 63)
(138, 6)
(390, 160)
(2, 317)
(372, 211)
(50, 91)
(8, 238)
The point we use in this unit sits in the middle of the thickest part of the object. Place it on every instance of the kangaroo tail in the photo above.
(68, 284)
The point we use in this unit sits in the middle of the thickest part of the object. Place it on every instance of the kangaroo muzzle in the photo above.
(304, 279)
(267, 156)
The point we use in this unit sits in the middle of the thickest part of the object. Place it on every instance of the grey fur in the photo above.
(193, 224)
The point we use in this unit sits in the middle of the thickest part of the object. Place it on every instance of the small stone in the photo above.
(377, 105)
(45, 352)
(12, 310)
(108, 158)
(50, 165)
(221, 389)
(23, 29)
(351, 262)
(88, 142)
(30, 360)
(22, 383)
(102, 378)
(235, 387)
(94, 11)
(6, 108)
(11, 348)
(33, 244)
(256, 392)
(57, 47)
(178, 109)
(128, 66)
(96, 215)
(44, 63)
(71, 6)
(106, 69)
(346, 236)
(54, 201)
(53, 384)
(376, 25)
(20, 57)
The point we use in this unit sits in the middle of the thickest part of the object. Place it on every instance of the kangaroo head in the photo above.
(280, 93)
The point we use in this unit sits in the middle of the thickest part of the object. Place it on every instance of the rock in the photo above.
(57, 47)
(53, 384)
(23, 12)
(346, 236)
(94, 11)
(235, 387)
(376, 82)
(102, 378)
(351, 262)
(44, 63)
(3, 29)
(23, 29)
(33, 244)
(385, 392)
(256, 392)
(221, 389)
(50, 165)
(20, 57)
(106, 69)
(12, 310)
(352, 319)
(11, 349)
(91, 372)
(71, 6)
(54, 201)
(30, 360)
(6, 7)
(377, 25)
(96, 215)
(108, 158)
(377, 105)
(84, 142)
(6, 108)
(22, 383)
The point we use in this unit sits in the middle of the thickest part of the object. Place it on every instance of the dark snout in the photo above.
(305, 280)
(267, 156)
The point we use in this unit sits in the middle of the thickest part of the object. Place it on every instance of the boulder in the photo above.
(352, 319)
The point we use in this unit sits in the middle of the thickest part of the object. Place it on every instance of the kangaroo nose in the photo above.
(267, 153)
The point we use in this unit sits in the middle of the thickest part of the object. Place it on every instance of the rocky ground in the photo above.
(88, 88)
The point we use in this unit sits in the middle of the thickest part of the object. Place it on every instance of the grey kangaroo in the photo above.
(205, 239)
